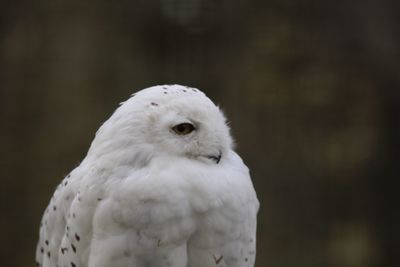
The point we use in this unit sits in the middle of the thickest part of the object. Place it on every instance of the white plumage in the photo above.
(160, 186)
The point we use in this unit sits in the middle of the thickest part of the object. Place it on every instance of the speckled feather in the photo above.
(146, 196)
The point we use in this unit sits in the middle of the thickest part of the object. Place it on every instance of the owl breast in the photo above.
(198, 213)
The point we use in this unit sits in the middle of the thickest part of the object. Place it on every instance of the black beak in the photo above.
(216, 159)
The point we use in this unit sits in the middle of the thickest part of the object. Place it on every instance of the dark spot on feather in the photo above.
(54, 207)
(67, 228)
(73, 248)
(99, 199)
(63, 250)
(46, 242)
(246, 259)
(184, 90)
(218, 260)
(77, 237)
(48, 254)
(41, 250)
(73, 264)
(154, 104)
(66, 182)
(73, 215)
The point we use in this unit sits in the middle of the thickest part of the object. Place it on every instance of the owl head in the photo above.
(167, 120)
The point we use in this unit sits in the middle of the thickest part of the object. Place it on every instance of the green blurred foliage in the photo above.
(311, 90)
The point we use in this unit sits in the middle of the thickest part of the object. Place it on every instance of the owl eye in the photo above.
(183, 128)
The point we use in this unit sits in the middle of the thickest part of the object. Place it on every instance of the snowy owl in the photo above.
(160, 186)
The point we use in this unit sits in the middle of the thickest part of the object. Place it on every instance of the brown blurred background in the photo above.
(311, 89)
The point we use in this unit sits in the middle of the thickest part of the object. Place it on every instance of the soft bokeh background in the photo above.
(311, 89)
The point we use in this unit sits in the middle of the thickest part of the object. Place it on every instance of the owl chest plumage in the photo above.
(178, 204)
(158, 216)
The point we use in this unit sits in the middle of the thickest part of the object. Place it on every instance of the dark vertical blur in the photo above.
(311, 89)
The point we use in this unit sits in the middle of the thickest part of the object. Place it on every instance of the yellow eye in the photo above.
(183, 128)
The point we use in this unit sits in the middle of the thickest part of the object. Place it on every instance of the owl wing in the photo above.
(62, 241)
(52, 228)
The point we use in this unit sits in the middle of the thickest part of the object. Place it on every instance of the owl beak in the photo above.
(215, 158)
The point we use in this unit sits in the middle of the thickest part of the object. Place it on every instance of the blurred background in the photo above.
(311, 89)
